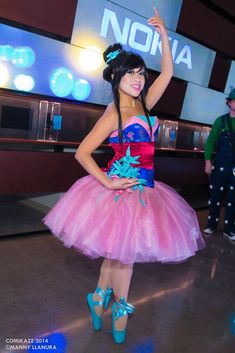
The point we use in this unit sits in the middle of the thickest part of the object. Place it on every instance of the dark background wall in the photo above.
(212, 26)
(52, 16)
(211, 23)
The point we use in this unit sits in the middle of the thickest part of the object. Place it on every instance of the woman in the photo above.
(122, 214)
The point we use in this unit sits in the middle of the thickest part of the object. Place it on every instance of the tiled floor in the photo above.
(184, 308)
(17, 218)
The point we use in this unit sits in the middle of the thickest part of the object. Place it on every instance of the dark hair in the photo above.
(118, 66)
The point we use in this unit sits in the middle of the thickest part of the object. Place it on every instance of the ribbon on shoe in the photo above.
(123, 308)
(123, 168)
(108, 293)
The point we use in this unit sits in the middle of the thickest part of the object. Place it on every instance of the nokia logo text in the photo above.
(152, 42)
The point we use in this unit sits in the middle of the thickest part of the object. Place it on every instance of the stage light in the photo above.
(81, 89)
(90, 58)
(23, 57)
(24, 83)
(6, 52)
(61, 82)
(4, 75)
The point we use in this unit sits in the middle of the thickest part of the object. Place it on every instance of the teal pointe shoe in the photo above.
(105, 295)
(120, 309)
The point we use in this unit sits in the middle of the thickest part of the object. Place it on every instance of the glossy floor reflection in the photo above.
(184, 308)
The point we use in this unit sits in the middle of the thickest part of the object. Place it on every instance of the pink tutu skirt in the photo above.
(164, 229)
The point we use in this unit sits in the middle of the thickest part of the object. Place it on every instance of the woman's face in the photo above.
(132, 82)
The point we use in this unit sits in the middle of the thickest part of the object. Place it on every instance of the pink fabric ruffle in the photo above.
(88, 218)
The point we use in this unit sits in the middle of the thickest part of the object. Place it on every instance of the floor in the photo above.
(18, 218)
(184, 308)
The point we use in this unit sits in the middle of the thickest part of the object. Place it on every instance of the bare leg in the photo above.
(104, 282)
(121, 279)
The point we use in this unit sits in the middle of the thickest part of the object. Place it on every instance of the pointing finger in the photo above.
(155, 11)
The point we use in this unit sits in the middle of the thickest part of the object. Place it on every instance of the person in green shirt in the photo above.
(221, 170)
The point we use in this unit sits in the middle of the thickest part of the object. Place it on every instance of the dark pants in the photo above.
(222, 182)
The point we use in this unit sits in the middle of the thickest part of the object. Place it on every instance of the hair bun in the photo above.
(107, 54)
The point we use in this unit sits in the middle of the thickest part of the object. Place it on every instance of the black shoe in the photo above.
(208, 232)
(230, 236)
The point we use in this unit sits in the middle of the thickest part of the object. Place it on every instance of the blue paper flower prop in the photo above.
(123, 168)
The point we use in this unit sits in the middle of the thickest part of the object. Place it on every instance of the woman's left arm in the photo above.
(158, 87)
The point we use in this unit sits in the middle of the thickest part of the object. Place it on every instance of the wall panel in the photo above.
(48, 15)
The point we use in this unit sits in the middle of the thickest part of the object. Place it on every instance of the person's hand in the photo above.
(208, 167)
(122, 183)
(157, 23)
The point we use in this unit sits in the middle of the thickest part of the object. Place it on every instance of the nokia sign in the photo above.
(128, 35)
(114, 23)
(169, 9)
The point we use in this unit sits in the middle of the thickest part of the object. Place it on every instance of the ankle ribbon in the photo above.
(123, 308)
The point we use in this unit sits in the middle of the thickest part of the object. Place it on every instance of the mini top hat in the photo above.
(231, 95)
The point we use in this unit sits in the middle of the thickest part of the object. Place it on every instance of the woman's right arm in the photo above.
(103, 128)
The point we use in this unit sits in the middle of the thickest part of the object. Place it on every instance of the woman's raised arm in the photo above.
(158, 87)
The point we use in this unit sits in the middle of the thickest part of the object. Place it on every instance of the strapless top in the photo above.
(134, 158)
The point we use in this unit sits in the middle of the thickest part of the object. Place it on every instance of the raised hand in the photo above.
(157, 23)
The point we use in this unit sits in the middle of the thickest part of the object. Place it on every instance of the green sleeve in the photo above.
(213, 138)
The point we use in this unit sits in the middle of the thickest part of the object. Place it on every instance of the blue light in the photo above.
(61, 82)
(146, 346)
(6, 52)
(23, 57)
(233, 325)
(55, 342)
(81, 89)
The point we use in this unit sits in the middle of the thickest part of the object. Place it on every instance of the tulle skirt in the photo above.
(155, 225)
